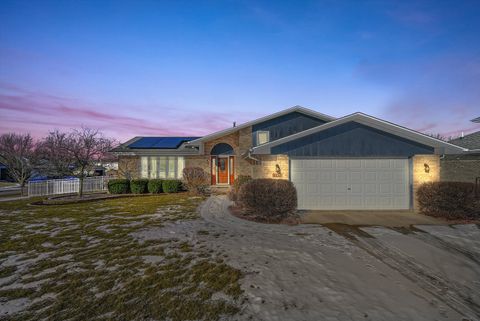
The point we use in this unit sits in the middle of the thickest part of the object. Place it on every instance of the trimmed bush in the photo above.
(450, 200)
(269, 199)
(119, 186)
(171, 185)
(155, 186)
(138, 186)
(241, 179)
(195, 180)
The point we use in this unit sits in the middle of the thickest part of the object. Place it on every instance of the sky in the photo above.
(159, 68)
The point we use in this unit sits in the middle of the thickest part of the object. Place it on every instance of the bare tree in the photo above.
(441, 137)
(86, 147)
(128, 167)
(19, 153)
(76, 153)
(52, 149)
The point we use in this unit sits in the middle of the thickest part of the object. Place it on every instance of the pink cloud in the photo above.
(37, 113)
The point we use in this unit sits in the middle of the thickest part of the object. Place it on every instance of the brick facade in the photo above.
(129, 167)
(456, 168)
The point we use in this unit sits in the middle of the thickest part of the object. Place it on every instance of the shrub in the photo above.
(241, 179)
(450, 200)
(138, 186)
(119, 186)
(269, 199)
(195, 180)
(171, 185)
(155, 186)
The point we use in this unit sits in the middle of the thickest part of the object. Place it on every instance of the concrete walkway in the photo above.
(312, 272)
(370, 218)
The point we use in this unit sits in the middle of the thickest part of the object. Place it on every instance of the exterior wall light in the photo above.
(426, 168)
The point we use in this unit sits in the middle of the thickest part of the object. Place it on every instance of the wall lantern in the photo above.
(278, 171)
(426, 168)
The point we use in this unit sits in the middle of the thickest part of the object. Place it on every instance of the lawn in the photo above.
(7, 184)
(81, 262)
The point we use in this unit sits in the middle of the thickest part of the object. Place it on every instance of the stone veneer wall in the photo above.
(268, 169)
(241, 141)
(129, 164)
(460, 168)
(198, 161)
(420, 175)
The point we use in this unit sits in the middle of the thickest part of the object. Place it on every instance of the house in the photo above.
(470, 141)
(4, 173)
(353, 162)
(464, 167)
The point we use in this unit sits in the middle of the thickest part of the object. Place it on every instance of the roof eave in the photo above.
(297, 108)
(369, 121)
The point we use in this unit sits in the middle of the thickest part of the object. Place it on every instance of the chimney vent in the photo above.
(234, 124)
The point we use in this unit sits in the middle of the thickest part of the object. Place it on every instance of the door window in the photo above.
(221, 164)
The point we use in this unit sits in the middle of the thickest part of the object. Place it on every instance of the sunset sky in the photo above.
(159, 68)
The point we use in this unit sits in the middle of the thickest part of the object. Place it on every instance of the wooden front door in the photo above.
(222, 168)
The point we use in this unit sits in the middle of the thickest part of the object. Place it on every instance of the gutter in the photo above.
(249, 155)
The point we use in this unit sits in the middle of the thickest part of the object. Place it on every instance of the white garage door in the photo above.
(339, 184)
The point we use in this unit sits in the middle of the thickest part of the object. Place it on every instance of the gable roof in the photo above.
(471, 141)
(153, 143)
(370, 121)
(297, 108)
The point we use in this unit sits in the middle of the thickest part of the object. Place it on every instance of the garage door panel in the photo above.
(356, 176)
(341, 176)
(326, 163)
(370, 176)
(327, 188)
(326, 176)
(356, 188)
(351, 183)
(370, 188)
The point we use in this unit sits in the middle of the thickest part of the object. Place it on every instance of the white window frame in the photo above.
(262, 132)
(146, 167)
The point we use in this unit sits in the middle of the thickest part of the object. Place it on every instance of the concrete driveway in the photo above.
(314, 272)
(370, 218)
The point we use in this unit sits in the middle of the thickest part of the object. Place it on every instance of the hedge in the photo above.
(450, 200)
(155, 186)
(171, 185)
(270, 199)
(195, 180)
(118, 186)
(138, 186)
(241, 179)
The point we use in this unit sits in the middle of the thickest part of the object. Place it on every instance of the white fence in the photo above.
(66, 186)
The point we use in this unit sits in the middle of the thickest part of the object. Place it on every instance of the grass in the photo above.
(82, 262)
(7, 184)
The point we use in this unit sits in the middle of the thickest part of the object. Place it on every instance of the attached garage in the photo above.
(360, 184)
(358, 162)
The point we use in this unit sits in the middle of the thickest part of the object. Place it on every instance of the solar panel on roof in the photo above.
(160, 142)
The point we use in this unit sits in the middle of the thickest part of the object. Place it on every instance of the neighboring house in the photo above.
(3, 172)
(470, 141)
(353, 162)
(463, 167)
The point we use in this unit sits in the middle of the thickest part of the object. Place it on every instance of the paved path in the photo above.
(310, 272)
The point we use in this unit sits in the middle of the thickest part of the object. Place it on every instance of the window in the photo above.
(263, 137)
(162, 167)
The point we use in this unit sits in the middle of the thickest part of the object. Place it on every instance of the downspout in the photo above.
(249, 155)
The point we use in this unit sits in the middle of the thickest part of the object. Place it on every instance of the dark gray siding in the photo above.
(285, 125)
(352, 140)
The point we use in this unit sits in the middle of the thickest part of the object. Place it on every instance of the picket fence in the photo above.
(66, 186)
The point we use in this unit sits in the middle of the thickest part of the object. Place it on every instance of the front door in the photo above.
(222, 170)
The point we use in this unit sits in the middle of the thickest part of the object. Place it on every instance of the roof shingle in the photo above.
(471, 141)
